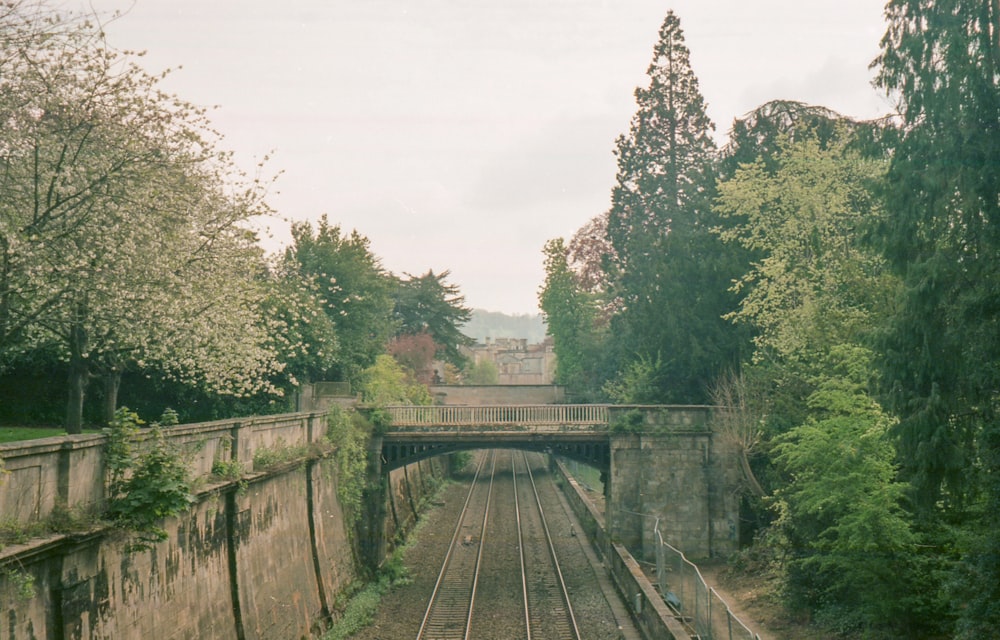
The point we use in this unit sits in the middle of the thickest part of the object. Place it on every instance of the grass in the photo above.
(16, 434)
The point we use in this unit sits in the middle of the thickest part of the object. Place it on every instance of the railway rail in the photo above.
(451, 604)
(546, 610)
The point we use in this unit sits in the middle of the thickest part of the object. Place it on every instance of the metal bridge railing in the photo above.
(683, 588)
(541, 414)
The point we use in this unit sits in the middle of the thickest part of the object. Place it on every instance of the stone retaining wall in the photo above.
(264, 557)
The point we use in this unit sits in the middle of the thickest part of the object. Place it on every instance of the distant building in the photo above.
(517, 361)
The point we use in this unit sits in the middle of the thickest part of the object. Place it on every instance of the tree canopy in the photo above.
(122, 224)
(428, 304)
(835, 284)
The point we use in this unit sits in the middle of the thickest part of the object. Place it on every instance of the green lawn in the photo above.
(13, 434)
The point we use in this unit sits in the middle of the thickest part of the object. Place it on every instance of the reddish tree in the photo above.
(415, 352)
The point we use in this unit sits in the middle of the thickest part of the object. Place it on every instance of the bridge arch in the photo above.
(664, 469)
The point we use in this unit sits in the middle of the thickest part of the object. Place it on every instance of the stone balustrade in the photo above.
(498, 415)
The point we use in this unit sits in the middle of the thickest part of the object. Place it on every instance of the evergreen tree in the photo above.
(428, 304)
(941, 354)
(668, 274)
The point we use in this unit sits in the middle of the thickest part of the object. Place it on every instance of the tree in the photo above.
(841, 512)
(303, 335)
(415, 353)
(356, 291)
(571, 314)
(119, 235)
(482, 372)
(387, 383)
(761, 134)
(940, 353)
(668, 275)
(427, 304)
(815, 283)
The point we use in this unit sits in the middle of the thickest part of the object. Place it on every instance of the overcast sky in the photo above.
(462, 135)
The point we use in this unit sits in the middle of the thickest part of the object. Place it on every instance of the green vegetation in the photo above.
(360, 607)
(349, 433)
(20, 585)
(832, 285)
(482, 372)
(280, 453)
(357, 607)
(427, 305)
(147, 479)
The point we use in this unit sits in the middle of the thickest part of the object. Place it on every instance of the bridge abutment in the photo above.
(372, 523)
(665, 470)
(684, 484)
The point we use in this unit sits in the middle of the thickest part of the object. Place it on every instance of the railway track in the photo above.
(546, 610)
(451, 604)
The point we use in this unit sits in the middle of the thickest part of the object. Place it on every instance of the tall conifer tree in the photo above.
(941, 363)
(667, 271)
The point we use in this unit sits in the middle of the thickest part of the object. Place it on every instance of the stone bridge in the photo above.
(660, 464)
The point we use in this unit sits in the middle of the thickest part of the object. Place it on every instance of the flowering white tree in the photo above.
(121, 236)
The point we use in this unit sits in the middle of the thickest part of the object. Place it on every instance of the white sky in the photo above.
(462, 135)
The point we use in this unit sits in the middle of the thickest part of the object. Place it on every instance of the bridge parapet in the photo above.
(564, 416)
(649, 418)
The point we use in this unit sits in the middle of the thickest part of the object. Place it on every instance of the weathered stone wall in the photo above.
(669, 467)
(259, 559)
(471, 395)
(407, 486)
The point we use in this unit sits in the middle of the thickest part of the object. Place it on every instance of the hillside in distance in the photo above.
(495, 324)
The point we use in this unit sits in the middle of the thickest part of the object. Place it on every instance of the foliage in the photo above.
(62, 520)
(355, 289)
(428, 305)
(19, 584)
(482, 372)
(459, 460)
(361, 608)
(349, 434)
(571, 314)
(941, 351)
(359, 611)
(801, 212)
(229, 469)
(415, 353)
(640, 382)
(280, 453)
(121, 222)
(302, 334)
(667, 275)
(144, 487)
(386, 383)
(841, 511)
(632, 421)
